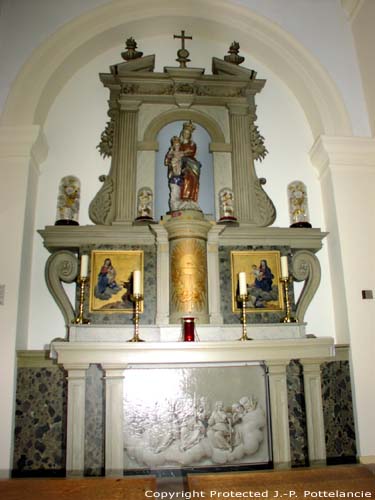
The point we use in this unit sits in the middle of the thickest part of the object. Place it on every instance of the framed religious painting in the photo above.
(111, 281)
(263, 271)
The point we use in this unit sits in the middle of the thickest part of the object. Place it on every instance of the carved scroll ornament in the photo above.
(305, 267)
(62, 266)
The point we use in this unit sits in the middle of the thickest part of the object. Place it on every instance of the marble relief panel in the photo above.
(40, 421)
(197, 416)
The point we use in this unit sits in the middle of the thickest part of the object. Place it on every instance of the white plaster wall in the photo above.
(323, 28)
(320, 25)
(73, 130)
(356, 212)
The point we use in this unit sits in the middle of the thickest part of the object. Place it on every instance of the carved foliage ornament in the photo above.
(257, 143)
(106, 139)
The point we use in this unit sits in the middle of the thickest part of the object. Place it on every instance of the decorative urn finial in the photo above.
(131, 52)
(233, 51)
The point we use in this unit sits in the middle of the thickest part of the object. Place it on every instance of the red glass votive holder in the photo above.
(188, 329)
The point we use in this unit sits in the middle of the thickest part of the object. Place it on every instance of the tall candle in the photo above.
(84, 265)
(284, 266)
(242, 280)
(137, 282)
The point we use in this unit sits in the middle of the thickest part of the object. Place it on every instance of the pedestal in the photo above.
(187, 234)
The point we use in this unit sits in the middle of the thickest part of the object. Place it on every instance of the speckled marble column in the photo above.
(297, 415)
(40, 420)
(338, 412)
(94, 422)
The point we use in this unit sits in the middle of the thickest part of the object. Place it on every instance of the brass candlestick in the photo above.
(244, 299)
(136, 298)
(80, 320)
(288, 318)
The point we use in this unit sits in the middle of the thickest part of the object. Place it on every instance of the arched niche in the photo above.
(150, 155)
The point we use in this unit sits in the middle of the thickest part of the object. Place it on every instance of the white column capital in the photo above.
(277, 366)
(342, 153)
(76, 370)
(114, 371)
(127, 105)
(160, 232)
(238, 109)
(214, 233)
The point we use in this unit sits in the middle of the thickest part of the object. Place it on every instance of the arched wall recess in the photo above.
(82, 39)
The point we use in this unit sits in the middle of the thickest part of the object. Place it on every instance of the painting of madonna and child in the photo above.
(112, 280)
(264, 289)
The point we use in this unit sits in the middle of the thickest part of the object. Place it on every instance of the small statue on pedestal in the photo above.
(68, 201)
(226, 205)
(298, 207)
(144, 205)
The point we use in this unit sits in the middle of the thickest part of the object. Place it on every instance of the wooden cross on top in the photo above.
(183, 53)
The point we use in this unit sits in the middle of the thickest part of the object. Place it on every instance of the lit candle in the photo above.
(284, 266)
(137, 282)
(84, 265)
(242, 281)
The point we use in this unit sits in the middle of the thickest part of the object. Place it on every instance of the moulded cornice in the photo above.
(74, 237)
(343, 153)
(23, 141)
(295, 238)
(154, 353)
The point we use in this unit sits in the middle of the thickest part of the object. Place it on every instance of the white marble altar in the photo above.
(116, 357)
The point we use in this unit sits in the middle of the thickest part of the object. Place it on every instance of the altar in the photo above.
(245, 390)
(117, 358)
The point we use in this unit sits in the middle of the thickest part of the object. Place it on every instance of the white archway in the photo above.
(82, 39)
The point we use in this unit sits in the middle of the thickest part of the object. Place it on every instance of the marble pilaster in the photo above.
(114, 448)
(279, 413)
(314, 411)
(162, 275)
(75, 445)
(214, 274)
(241, 155)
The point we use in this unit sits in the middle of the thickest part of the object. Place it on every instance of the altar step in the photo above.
(329, 482)
(129, 488)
